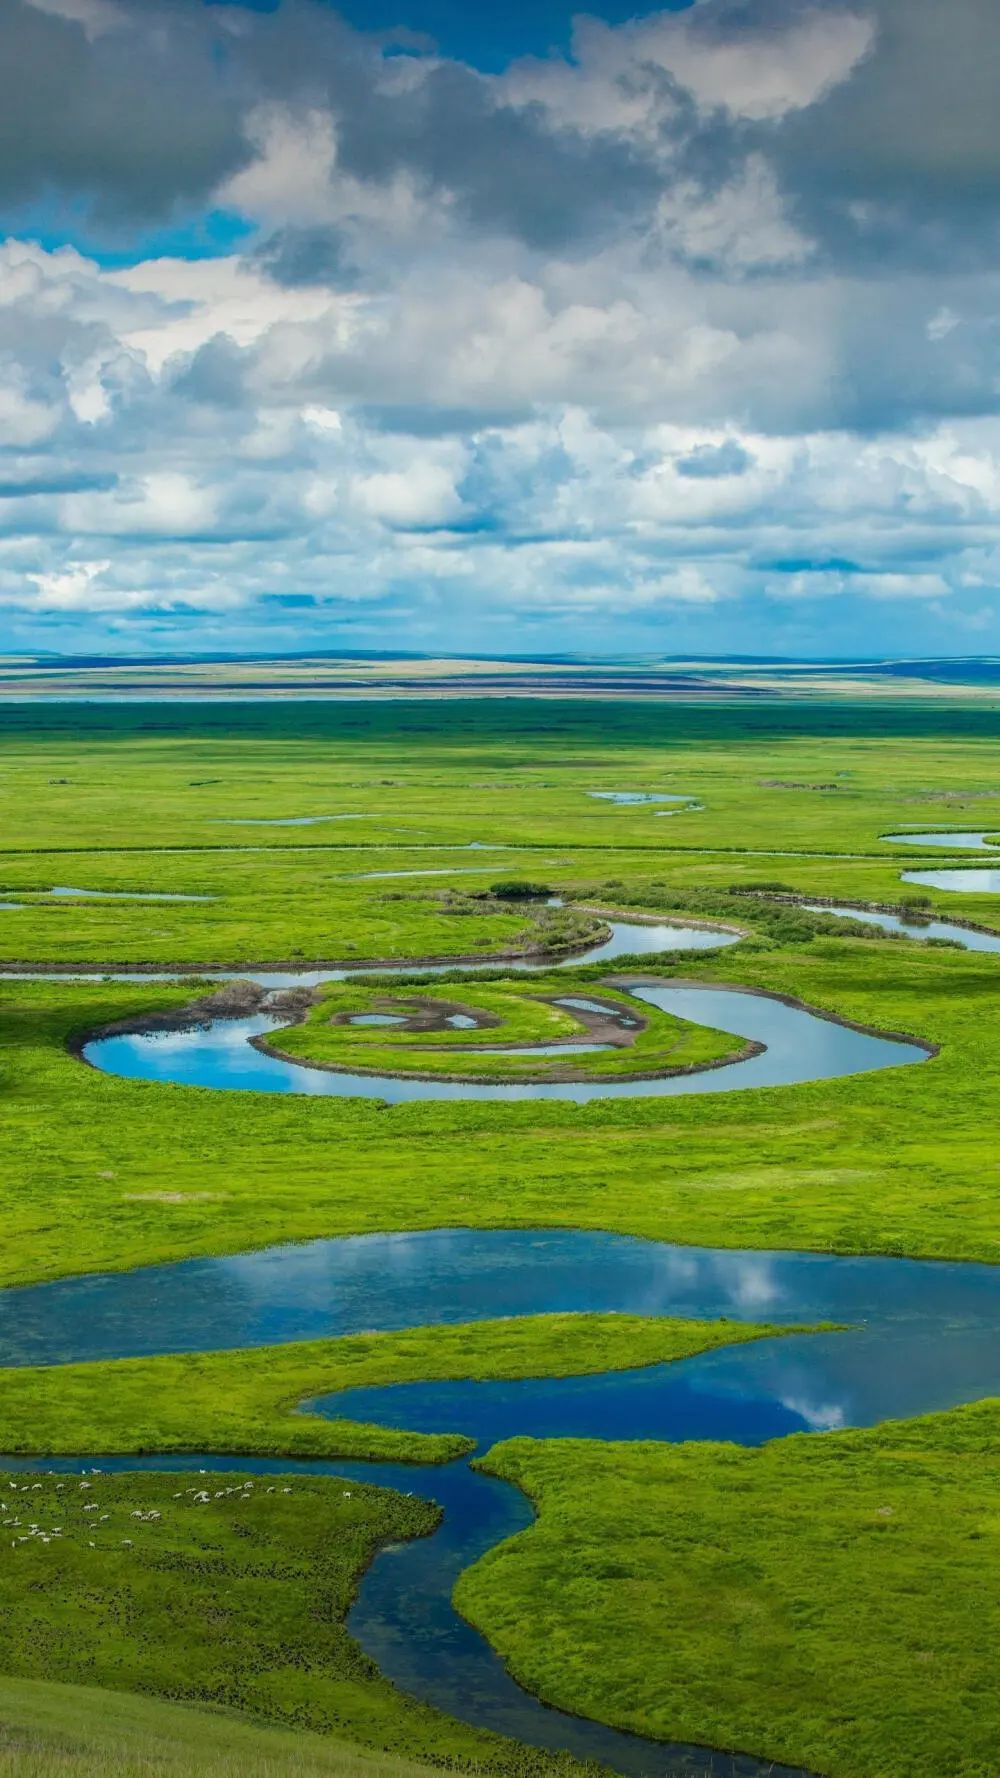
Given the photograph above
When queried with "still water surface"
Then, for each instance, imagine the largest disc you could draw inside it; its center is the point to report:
(963, 882)
(982, 840)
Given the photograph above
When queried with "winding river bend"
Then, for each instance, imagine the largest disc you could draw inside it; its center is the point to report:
(796, 1043)
(919, 1336)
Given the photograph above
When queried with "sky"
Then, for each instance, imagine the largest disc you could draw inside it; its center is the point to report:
(500, 329)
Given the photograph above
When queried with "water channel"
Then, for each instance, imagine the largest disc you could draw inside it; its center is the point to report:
(798, 1044)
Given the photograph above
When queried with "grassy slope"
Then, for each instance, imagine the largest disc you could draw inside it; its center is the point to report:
(246, 1401)
(826, 1601)
(73, 1731)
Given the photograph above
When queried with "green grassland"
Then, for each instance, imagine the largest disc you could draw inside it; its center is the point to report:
(759, 1598)
(237, 1600)
(102, 1173)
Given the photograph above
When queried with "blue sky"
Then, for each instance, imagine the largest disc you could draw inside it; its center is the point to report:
(419, 324)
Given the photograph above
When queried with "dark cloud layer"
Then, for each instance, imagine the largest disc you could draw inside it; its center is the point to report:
(148, 113)
(128, 123)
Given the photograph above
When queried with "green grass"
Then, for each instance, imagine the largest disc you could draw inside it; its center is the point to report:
(829, 1601)
(248, 1401)
(238, 1600)
(75, 1731)
(522, 1016)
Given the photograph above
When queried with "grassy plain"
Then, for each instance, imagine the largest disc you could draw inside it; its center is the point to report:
(747, 1607)
(103, 1173)
(237, 1599)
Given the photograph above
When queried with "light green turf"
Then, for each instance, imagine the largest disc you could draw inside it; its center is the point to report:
(75, 1731)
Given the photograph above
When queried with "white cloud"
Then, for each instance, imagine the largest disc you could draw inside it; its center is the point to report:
(614, 79)
(24, 420)
(164, 503)
(882, 586)
(742, 226)
(423, 494)
(646, 421)
(71, 589)
(96, 16)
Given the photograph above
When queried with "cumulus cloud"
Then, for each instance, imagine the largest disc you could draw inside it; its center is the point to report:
(691, 328)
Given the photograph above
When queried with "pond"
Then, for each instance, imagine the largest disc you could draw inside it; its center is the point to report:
(978, 841)
(638, 796)
(963, 882)
(62, 892)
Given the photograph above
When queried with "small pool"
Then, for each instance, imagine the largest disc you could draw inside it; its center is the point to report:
(981, 840)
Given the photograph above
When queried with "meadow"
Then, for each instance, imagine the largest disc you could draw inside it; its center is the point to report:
(754, 1599)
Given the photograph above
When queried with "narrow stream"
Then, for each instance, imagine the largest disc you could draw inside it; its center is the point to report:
(916, 926)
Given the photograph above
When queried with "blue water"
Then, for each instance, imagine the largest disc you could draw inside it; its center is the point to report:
(979, 841)
(627, 938)
(799, 1045)
(124, 894)
(914, 926)
(638, 796)
(327, 1288)
(963, 882)
(63, 892)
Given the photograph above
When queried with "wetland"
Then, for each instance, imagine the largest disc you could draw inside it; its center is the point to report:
(608, 1283)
